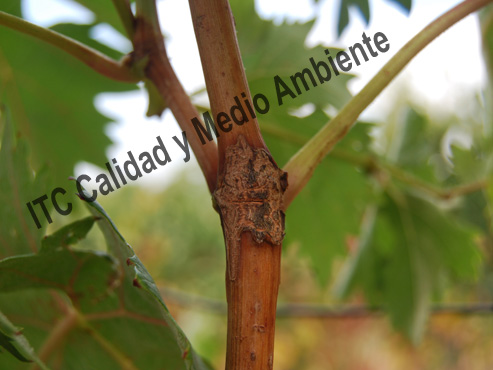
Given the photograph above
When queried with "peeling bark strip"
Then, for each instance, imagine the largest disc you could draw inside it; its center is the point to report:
(249, 198)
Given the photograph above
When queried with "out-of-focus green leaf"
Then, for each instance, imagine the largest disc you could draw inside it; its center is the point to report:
(329, 208)
(413, 143)
(411, 148)
(18, 232)
(361, 5)
(269, 51)
(364, 8)
(405, 4)
(13, 341)
(51, 95)
(146, 296)
(474, 208)
(116, 313)
(486, 19)
(78, 273)
(327, 213)
(104, 12)
(18, 185)
(67, 235)
(470, 164)
(413, 248)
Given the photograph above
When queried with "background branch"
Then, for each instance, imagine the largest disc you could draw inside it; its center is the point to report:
(149, 47)
(302, 310)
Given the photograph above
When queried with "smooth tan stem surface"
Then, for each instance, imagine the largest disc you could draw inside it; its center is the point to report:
(126, 16)
(251, 322)
(223, 68)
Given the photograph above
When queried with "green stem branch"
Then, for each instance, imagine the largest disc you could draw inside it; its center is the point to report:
(302, 165)
(368, 161)
(147, 10)
(92, 58)
(126, 16)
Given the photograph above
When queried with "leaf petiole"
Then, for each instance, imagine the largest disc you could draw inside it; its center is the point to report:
(97, 61)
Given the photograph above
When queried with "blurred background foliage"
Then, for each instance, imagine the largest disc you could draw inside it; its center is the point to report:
(398, 218)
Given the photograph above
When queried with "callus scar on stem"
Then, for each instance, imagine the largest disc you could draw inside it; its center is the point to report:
(249, 197)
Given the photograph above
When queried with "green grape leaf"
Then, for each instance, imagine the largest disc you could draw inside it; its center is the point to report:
(486, 19)
(18, 231)
(269, 51)
(362, 5)
(141, 279)
(50, 95)
(78, 273)
(405, 4)
(104, 12)
(364, 8)
(414, 144)
(406, 253)
(12, 340)
(328, 210)
(114, 310)
(67, 235)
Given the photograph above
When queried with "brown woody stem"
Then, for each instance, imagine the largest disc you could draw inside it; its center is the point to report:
(248, 196)
(223, 68)
(249, 201)
(252, 302)
(149, 45)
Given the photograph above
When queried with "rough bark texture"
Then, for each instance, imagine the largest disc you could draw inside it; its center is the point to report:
(249, 200)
